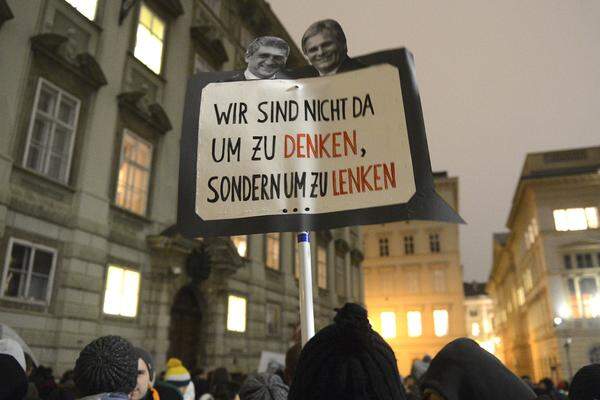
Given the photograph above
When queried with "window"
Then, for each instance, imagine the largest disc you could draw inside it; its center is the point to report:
(272, 256)
(51, 132)
(409, 244)
(487, 326)
(475, 329)
(584, 260)
(412, 281)
(384, 248)
(434, 242)
(440, 322)
(273, 319)
(576, 219)
(85, 7)
(28, 271)
(388, 324)
(322, 267)
(439, 280)
(122, 291)
(567, 261)
(584, 297)
(241, 244)
(340, 275)
(150, 39)
(134, 173)
(415, 329)
(236, 313)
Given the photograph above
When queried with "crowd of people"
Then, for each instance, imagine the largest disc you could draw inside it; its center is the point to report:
(346, 360)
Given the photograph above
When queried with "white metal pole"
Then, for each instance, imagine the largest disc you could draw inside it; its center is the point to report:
(307, 319)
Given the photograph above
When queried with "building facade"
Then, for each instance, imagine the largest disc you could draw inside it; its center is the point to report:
(479, 316)
(546, 269)
(91, 104)
(413, 282)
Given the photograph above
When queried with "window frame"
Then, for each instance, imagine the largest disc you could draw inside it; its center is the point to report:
(124, 132)
(435, 245)
(435, 325)
(124, 267)
(166, 22)
(34, 110)
(33, 247)
(242, 296)
(578, 295)
(409, 244)
(245, 255)
(268, 237)
(384, 247)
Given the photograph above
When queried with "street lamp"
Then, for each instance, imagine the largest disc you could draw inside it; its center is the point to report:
(567, 346)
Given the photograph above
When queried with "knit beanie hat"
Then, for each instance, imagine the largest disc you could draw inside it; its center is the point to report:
(106, 365)
(138, 352)
(347, 360)
(586, 383)
(176, 373)
(12, 374)
(463, 370)
(263, 387)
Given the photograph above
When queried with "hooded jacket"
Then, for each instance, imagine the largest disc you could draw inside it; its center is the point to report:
(464, 371)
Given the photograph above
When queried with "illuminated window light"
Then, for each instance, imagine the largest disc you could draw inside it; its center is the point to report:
(576, 219)
(564, 311)
(241, 244)
(475, 329)
(440, 322)
(487, 326)
(149, 39)
(388, 324)
(488, 345)
(415, 328)
(122, 292)
(85, 7)
(236, 314)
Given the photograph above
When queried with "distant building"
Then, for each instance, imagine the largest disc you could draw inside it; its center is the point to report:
(546, 269)
(413, 282)
(91, 109)
(479, 314)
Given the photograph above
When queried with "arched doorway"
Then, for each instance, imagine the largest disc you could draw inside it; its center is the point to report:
(184, 331)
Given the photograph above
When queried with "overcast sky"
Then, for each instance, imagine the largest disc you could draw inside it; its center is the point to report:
(498, 79)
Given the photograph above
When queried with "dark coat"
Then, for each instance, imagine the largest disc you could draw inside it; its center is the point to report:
(464, 371)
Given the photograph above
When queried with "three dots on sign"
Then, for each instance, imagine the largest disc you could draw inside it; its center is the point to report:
(285, 210)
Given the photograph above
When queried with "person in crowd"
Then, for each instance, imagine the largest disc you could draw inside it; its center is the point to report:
(324, 44)
(66, 387)
(43, 377)
(221, 386)
(586, 383)
(145, 376)
(200, 380)
(264, 386)
(106, 369)
(12, 371)
(347, 360)
(291, 361)
(547, 388)
(462, 370)
(563, 387)
(411, 386)
(419, 367)
(265, 57)
(178, 375)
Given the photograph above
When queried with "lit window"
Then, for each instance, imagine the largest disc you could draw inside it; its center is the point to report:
(585, 299)
(475, 329)
(134, 173)
(52, 132)
(520, 296)
(272, 256)
(409, 244)
(340, 275)
(440, 322)
(576, 219)
(439, 280)
(122, 291)
(487, 326)
(415, 328)
(273, 319)
(434, 242)
(28, 271)
(241, 244)
(149, 39)
(322, 267)
(85, 7)
(388, 324)
(236, 314)
(384, 247)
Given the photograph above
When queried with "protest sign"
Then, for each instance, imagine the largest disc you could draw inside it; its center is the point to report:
(306, 153)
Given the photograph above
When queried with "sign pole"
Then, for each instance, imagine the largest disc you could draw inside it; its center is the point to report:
(307, 319)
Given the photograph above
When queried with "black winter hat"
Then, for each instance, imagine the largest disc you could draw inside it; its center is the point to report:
(13, 379)
(586, 383)
(108, 364)
(347, 360)
(263, 387)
